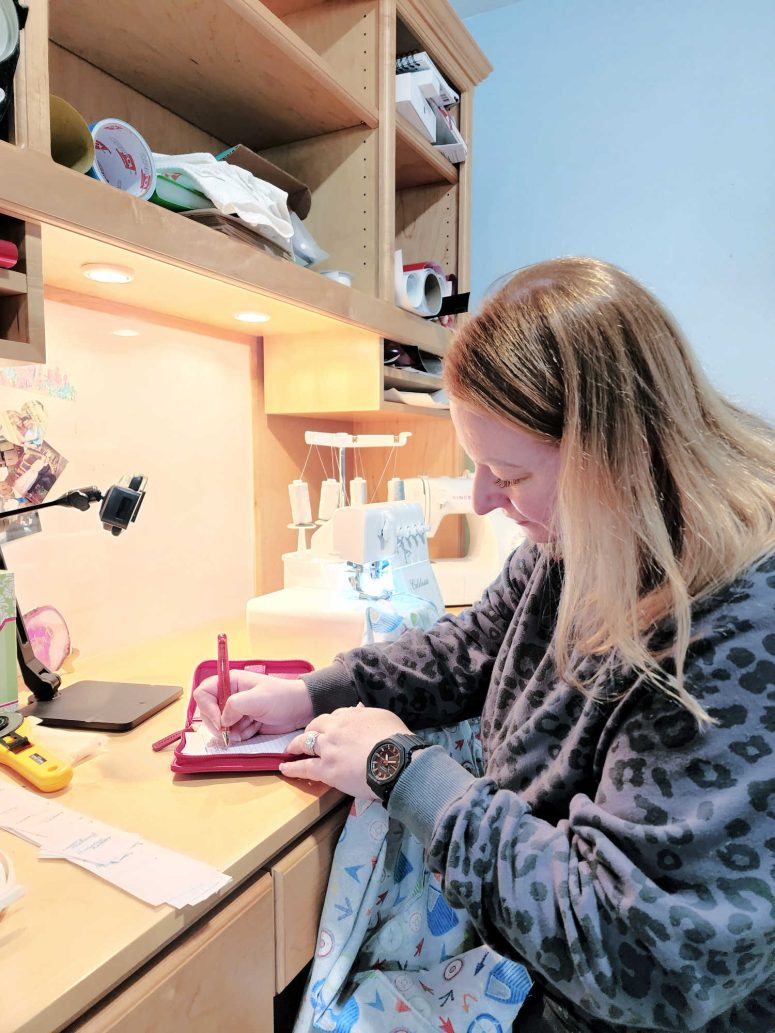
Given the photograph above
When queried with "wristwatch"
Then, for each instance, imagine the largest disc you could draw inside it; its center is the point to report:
(388, 760)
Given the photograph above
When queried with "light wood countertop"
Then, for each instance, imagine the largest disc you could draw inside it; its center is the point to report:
(74, 936)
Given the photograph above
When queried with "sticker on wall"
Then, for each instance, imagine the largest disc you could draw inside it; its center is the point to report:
(45, 380)
(29, 467)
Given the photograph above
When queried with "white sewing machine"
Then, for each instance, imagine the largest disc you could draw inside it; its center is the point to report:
(366, 568)
(491, 538)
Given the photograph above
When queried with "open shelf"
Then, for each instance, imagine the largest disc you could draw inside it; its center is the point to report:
(184, 269)
(22, 336)
(233, 68)
(12, 282)
(417, 161)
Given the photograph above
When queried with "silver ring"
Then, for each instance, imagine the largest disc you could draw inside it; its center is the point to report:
(310, 742)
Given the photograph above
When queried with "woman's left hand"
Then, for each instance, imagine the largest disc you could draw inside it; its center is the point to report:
(343, 743)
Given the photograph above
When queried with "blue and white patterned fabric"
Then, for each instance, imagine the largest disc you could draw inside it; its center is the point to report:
(392, 955)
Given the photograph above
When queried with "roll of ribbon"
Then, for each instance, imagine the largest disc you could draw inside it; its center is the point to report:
(358, 492)
(329, 498)
(301, 510)
(395, 490)
(122, 158)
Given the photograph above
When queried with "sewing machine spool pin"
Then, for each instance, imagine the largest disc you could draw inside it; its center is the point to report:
(301, 537)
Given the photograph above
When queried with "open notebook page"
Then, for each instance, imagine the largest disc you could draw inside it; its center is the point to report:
(201, 743)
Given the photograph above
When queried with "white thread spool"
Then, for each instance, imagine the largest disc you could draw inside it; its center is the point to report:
(329, 498)
(358, 492)
(301, 509)
(395, 490)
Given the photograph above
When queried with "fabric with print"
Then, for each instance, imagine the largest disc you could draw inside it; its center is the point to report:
(392, 955)
(622, 853)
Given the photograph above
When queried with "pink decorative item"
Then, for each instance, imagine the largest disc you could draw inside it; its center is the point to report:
(48, 635)
(9, 254)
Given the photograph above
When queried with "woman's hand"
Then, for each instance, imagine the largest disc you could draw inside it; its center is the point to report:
(259, 703)
(344, 741)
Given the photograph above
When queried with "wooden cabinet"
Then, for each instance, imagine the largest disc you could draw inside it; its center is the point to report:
(224, 973)
(21, 295)
(218, 976)
(309, 84)
(300, 879)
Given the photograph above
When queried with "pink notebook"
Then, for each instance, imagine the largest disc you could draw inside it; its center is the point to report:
(197, 751)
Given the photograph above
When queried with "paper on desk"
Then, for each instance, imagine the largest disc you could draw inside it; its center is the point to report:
(69, 745)
(201, 743)
(146, 870)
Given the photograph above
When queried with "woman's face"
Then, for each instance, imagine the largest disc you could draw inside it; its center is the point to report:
(514, 470)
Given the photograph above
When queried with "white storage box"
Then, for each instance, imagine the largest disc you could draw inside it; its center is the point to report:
(411, 104)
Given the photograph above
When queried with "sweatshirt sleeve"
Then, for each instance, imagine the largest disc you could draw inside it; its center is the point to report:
(431, 677)
(652, 904)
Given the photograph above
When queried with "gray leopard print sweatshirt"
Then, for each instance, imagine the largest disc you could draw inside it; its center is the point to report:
(623, 855)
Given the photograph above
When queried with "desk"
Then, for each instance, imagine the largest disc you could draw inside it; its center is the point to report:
(74, 938)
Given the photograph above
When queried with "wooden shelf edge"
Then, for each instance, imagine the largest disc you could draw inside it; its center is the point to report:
(404, 378)
(12, 282)
(424, 164)
(34, 188)
(387, 410)
(414, 410)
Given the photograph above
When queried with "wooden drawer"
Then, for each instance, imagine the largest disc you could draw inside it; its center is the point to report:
(219, 977)
(300, 878)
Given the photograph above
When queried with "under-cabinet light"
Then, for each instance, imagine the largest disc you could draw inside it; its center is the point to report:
(252, 317)
(103, 273)
(125, 333)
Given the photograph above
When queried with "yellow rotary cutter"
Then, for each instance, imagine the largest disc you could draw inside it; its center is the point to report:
(37, 766)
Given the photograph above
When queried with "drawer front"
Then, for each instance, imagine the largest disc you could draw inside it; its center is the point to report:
(300, 878)
(219, 977)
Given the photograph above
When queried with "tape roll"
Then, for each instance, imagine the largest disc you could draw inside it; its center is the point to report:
(301, 509)
(122, 158)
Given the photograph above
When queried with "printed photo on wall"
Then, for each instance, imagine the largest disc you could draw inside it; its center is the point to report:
(29, 467)
(36, 473)
(20, 526)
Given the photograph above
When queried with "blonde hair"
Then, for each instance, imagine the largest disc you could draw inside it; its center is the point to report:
(666, 490)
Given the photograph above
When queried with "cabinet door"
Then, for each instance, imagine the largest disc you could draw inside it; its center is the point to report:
(300, 881)
(220, 976)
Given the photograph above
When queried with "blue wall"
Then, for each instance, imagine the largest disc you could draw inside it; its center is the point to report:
(641, 132)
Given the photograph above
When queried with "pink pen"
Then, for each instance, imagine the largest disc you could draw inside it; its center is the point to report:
(224, 687)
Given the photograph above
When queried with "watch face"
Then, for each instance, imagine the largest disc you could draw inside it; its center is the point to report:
(385, 762)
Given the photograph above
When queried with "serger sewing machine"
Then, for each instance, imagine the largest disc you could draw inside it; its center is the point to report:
(491, 538)
(365, 576)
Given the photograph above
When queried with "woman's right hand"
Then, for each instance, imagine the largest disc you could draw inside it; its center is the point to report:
(259, 704)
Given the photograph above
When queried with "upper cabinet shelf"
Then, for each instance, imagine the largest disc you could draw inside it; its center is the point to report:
(417, 161)
(230, 67)
(183, 269)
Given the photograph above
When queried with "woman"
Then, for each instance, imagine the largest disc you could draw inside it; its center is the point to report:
(621, 843)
